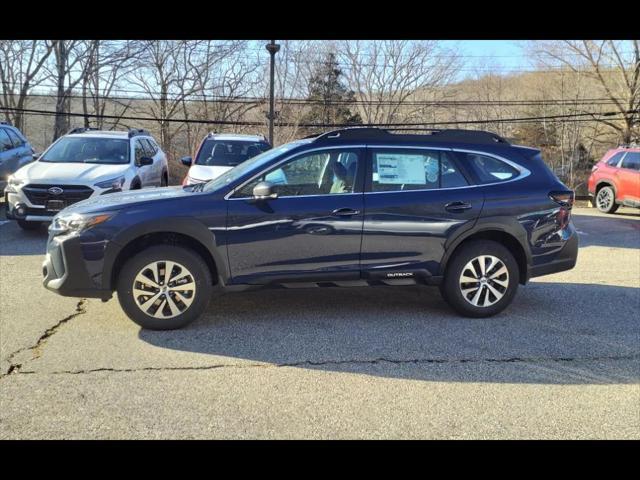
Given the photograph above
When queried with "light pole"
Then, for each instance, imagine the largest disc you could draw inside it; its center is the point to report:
(272, 48)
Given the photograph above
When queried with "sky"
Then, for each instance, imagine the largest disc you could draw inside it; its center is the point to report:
(485, 55)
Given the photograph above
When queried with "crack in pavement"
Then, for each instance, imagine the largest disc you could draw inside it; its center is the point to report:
(343, 362)
(36, 348)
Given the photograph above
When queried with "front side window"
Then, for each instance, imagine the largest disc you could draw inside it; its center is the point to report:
(613, 161)
(5, 141)
(631, 160)
(139, 151)
(330, 172)
(17, 141)
(489, 169)
(88, 150)
(395, 170)
(228, 153)
(149, 148)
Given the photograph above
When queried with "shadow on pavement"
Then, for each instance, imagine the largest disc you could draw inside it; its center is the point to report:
(555, 333)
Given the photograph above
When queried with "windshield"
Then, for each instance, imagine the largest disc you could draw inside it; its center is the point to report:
(88, 150)
(252, 164)
(228, 153)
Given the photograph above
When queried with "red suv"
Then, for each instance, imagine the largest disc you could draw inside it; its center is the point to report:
(615, 180)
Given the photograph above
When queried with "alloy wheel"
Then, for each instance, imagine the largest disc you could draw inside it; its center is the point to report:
(164, 289)
(484, 280)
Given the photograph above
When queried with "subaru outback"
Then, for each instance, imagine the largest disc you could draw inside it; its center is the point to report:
(464, 210)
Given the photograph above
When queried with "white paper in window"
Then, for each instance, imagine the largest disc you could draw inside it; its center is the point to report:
(396, 168)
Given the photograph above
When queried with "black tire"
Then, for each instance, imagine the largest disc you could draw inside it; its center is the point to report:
(23, 224)
(196, 267)
(451, 288)
(605, 200)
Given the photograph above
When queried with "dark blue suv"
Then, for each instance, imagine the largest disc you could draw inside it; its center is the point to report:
(464, 210)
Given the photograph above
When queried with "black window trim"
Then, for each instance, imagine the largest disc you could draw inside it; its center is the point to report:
(523, 172)
(358, 190)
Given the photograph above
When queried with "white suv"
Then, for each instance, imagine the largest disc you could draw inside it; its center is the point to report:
(82, 164)
(219, 153)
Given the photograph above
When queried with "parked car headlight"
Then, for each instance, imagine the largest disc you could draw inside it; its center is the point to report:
(76, 222)
(12, 184)
(114, 183)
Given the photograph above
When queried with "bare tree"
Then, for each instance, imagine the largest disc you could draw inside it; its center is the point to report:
(385, 74)
(171, 71)
(613, 65)
(21, 69)
(107, 63)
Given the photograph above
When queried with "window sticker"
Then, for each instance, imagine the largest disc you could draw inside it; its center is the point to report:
(406, 169)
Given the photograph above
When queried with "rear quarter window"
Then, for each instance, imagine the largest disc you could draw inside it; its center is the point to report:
(489, 169)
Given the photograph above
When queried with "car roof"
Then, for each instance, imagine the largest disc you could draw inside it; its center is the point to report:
(103, 134)
(237, 136)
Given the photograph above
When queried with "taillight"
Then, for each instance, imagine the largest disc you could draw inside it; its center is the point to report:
(565, 200)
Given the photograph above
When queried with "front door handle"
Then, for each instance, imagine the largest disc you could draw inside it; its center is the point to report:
(457, 206)
(344, 212)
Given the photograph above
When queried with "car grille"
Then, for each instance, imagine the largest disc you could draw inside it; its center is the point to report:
(40, 195)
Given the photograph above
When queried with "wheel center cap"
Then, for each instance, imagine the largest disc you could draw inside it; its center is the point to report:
(483, 280)
(164, 289)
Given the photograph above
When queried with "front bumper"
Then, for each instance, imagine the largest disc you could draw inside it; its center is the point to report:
(65, 272)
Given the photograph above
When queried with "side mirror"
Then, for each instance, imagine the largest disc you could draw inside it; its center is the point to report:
(264, 191)
(144, 161)
(35, 156)
(186, 161)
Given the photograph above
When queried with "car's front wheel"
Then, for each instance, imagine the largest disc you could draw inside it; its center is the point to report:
(481, 279)
(164, 287)
(606, 200)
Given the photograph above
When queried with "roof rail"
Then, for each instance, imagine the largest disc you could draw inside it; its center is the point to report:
(434, 135)
(137, 131)
(80, 130)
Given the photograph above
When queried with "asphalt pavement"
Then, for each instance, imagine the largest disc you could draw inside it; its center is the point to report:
(563, 361)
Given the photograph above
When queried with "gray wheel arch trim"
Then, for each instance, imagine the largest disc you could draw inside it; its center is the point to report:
(509, 226)
(179, 225)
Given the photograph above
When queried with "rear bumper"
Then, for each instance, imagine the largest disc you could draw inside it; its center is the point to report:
(565, 259)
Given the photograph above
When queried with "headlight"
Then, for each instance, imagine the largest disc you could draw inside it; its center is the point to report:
(76, 222)
(12, 184)
(114, 183)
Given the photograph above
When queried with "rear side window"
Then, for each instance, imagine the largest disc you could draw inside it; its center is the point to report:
(148, 147)
(396, 169)
(17, 141)
(489, 169)
(632, 161)
(5, 141)
(613, 161)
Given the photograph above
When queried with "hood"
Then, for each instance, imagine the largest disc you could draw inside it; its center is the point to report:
(69, 173)
(120, 200)
(206, 173)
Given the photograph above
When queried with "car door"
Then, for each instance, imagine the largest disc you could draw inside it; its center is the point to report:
(144, 172)
(628, 177)
(152, 152)
(415, 199)
(23, 154)
(7, 155)
(310, 232)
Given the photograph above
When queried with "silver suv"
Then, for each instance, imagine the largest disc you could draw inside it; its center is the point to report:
(84, 163)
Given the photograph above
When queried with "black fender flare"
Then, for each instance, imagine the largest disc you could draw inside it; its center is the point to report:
(186, 226)
(508, 225)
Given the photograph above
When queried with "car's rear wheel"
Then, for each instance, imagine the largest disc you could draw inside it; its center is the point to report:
(164, 287)
(481, 279)
(23, 224)
(606, 200)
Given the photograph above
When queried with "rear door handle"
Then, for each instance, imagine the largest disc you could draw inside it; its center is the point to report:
(457, 206)
(344, 212)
